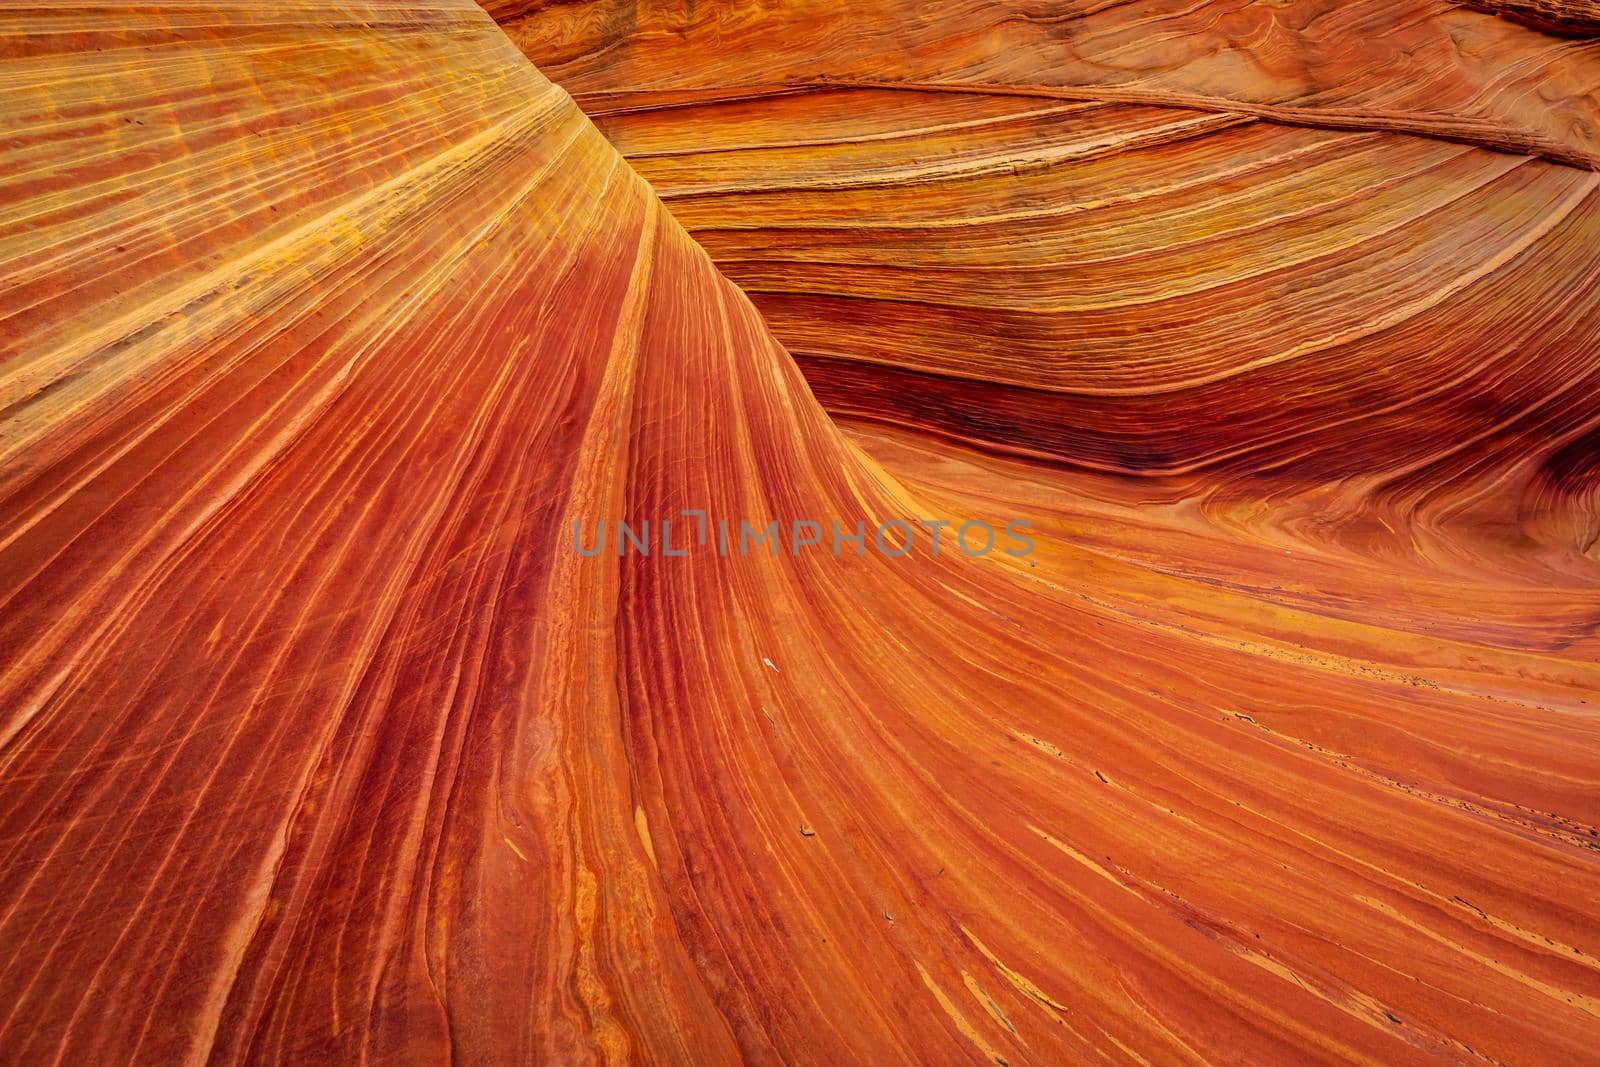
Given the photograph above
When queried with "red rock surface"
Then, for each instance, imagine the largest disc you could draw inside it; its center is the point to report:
(1149, 238)
(321, 325)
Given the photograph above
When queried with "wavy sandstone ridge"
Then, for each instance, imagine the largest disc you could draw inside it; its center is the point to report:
(322, 325)
(1276, 246)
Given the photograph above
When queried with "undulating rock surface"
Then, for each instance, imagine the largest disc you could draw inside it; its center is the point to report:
(322, 324)
(1151, 238)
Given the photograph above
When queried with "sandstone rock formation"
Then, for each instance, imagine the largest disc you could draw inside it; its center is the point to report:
(322, 324)
(1149, 238)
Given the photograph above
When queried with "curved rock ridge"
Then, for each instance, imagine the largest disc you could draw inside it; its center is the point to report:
(323, 324)
(1155, 291)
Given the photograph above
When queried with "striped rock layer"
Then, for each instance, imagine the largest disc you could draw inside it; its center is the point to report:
(322, 324)
(1274, 245)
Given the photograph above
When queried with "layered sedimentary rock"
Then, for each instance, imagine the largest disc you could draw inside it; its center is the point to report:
(1424, 66)
(1580, 18)
(323, 325)
(1281, 245)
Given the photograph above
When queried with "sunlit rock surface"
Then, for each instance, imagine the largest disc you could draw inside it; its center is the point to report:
(322, 324)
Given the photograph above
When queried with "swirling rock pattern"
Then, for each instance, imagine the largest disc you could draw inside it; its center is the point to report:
(1283, 245)
(323, 323)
